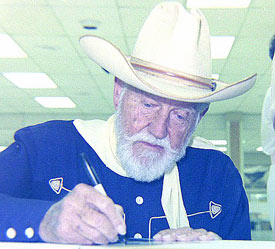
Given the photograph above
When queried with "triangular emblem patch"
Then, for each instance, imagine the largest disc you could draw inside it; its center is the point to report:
(56, 184)
(214, 209)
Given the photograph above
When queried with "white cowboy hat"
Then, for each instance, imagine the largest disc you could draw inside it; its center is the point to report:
(171, 57)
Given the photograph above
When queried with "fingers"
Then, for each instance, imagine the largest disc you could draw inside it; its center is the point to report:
(185, 234)
(120, 210)
(77, 232)
(210, 236)
(191, 235)
(57, 226)
(97, 220)
(103, 204)
(91, 234)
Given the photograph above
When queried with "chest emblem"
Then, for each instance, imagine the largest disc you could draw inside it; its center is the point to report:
(57, 185)
(214, 210)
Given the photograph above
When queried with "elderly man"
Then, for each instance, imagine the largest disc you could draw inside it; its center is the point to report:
(158, 187)
(268, 135)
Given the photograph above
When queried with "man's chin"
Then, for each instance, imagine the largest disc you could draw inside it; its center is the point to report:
(145, 178)
(146, 171)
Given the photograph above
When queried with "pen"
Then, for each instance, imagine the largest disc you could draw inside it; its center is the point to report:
(90, 171)
(95, 182)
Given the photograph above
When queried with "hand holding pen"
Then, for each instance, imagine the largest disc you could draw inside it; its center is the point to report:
(84, 216)
(96, 183)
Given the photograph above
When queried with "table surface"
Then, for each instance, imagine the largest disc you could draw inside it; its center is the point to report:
(222, 244)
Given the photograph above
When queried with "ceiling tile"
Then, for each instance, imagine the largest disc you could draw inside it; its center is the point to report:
(14, 93)
(217, 65)
(267, 4)
(148, 4)
(259, 23)
(60, 64)
(18, 65)
(95, 103)
(41, 46)
(57, 92)
(104, 81)
(236, 69)
(225, 21)
(76, 83)
(71, 18)
(83, 3)
(23, 2)
(251, 48)
(35, 20)
(133, 19)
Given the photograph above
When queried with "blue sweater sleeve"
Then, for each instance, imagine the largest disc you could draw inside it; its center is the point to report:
(238, 220)
(240, 229)
(210, 176)
(18, 212)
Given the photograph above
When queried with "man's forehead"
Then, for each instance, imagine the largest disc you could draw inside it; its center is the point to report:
(143, 94)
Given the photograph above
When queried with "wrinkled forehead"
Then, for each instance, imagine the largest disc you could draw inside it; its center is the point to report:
(145, 95)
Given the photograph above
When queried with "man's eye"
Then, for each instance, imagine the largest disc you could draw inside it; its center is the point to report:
(180, 117)
(147, 105)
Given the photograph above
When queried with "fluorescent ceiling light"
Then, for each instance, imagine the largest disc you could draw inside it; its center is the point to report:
(9, 48)
(218, 3)
(30, 80)
(55, 102)
(223, 149)
(2, 148)
(221, 46)
(215, 76)
(219, 142)
(260, 148)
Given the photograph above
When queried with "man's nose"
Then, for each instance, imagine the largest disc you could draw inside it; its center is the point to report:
(159, 125)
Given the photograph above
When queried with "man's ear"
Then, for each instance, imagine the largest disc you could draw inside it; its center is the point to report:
(118, 85)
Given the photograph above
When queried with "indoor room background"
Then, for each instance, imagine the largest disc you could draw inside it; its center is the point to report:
(45, 75)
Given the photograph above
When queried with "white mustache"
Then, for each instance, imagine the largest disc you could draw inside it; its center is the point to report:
(145, 136)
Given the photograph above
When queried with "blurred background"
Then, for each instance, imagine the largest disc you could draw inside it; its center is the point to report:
(44, 75)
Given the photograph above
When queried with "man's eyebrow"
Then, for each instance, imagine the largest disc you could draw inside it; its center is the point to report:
(189, 108)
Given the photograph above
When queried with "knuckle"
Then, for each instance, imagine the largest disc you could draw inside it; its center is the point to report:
(119, 208)
(212, 234)
(66, 202)
(79, 188)
(107, 204)
(98, 219)
(67, 207)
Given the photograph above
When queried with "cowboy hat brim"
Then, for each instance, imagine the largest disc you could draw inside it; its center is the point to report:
(109, 57)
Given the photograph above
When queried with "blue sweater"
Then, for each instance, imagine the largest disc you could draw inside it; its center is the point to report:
(45, 156)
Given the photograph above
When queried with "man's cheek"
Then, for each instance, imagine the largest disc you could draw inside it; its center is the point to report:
(132, 124)
(137, 122)
(176, 140)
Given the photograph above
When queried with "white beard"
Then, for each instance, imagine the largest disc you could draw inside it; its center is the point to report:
(146, 164)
